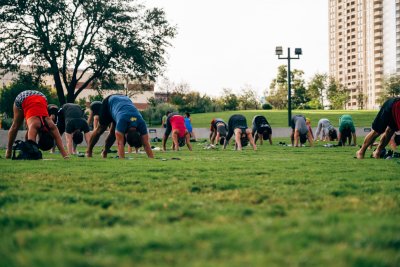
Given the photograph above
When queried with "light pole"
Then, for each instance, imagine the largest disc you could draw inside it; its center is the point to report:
(279, 53)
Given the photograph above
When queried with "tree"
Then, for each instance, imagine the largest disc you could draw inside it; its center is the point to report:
(391, 87)
(23, 82)
(79, 42)
(248, 98)
(317, 90)
(337, 94)
(299, 97)
(278, 96)
(229, 99)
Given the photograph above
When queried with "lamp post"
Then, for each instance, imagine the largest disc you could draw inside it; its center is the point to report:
(279, 53)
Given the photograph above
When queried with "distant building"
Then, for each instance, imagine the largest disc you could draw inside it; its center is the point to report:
(139, 92)
(364, 46)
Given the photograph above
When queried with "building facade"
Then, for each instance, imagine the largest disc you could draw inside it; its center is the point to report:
(138, 92)
(364, 46)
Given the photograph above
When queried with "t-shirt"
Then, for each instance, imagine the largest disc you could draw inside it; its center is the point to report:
(125, 114)
(260, 123)
(70, 118)
(299, 123)
(346, 122)
(188, 125)
(396, 114)
(178, 123)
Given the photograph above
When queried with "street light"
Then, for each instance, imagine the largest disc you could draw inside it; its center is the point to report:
(279, 53)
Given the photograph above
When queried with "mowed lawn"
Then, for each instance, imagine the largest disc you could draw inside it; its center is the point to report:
(278, 206)
(279, 118)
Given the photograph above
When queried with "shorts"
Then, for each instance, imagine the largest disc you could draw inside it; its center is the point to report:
(23, 95)
(384, 118)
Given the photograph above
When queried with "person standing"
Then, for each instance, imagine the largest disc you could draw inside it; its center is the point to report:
(188, 124)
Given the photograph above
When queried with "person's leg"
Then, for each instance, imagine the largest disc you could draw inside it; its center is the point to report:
(189, 145)
(369, 139)
(95, 138)
(238, 134)
(385, 138)
(110, 139)
(175, 143)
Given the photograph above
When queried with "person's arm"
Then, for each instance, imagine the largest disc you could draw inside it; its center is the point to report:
(94, 138)
(296, 137)
(251, 139)
(57, 137)
(310, 138)
(90, 117)
(120, 144)
(270, 139)
(18, 119)
(318, 131)
(87, 137)
(292, 137)
(354, 138)
(68, 138)
(146, 146)
(110, 139)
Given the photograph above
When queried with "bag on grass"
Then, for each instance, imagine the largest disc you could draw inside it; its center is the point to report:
(27, 150)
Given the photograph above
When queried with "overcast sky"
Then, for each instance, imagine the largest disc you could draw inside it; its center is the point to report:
(231, 43)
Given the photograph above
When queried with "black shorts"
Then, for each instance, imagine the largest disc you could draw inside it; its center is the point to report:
(77, 124)
(105, 117)
(385, 117)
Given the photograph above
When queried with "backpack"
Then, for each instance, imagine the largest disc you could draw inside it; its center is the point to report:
(28, 150)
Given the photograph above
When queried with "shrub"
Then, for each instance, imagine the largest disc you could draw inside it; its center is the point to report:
(266, 106)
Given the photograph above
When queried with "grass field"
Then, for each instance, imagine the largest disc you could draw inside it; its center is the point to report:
(279, 118)
(278, 206)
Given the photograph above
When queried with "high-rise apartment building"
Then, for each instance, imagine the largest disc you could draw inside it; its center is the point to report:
(364, 40)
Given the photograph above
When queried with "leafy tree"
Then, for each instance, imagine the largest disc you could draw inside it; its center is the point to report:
(278, 96)
(391, 87)
(79, 42)
(317, 90)
(300, 96)
(229, 99)
(178, 94)
(337, 94)
(248, 98)
(23, 82)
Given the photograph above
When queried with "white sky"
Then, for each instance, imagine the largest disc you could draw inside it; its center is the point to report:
(231, 43)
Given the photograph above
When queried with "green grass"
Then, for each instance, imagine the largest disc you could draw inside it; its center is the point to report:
(279, 118)
(278, 206)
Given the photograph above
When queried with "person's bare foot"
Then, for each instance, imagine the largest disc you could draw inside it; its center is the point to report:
(376, 154)
(359, 154)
